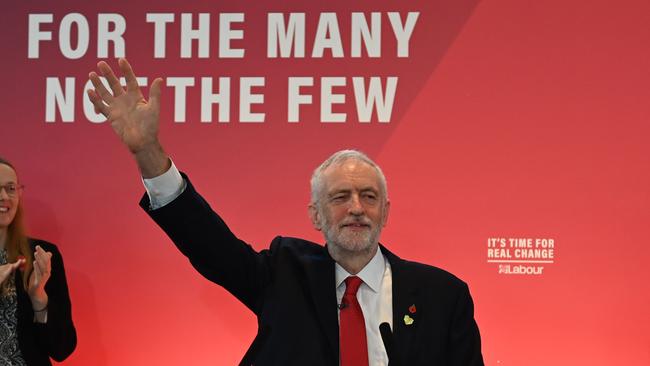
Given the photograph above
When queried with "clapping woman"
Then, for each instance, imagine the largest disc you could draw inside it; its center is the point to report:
(35, 318)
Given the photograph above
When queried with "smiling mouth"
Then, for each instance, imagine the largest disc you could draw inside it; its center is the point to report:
(4, 209)
(356, 225)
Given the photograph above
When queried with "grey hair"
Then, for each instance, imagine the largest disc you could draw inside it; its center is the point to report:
(340, 157)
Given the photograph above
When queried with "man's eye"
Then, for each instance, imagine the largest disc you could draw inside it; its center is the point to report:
(11, 188)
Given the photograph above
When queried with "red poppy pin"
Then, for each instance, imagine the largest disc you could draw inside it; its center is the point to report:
(412, 309)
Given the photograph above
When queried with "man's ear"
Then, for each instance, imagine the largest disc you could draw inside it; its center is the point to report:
(314, 215)
(386, 211)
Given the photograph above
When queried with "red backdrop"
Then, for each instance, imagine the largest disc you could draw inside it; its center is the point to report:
(511, 120)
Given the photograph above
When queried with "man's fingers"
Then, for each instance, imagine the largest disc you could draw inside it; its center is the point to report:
(154, 93)
(113, 81)
(129, 75)
(98, 103)
(100, 89)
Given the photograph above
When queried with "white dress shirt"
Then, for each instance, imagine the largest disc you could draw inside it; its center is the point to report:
(165, 187)
(375, 295)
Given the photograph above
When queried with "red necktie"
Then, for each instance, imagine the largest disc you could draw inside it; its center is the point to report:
(354, 347)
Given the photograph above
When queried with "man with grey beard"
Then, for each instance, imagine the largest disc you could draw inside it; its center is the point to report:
(350, 303)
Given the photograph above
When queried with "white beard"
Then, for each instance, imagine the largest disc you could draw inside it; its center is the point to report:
(349, 240)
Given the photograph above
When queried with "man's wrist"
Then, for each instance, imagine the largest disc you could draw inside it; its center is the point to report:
(152, 161)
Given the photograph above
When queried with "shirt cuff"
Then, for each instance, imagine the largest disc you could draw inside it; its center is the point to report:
(164, 188)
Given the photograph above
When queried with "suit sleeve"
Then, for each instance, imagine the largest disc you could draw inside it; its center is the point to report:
(58, 336)
(212, 249)
(465, 340)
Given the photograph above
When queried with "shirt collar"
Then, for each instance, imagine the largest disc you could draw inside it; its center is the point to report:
(371, 274)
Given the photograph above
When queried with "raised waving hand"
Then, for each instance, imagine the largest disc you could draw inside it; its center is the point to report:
(134, 119)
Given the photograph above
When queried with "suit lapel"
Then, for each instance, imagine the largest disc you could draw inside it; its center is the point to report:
(321, 285)
(405, 308)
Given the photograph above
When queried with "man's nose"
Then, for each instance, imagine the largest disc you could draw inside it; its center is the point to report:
(3, 193)
(356, 208)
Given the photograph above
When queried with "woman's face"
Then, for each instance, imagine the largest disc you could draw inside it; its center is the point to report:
(8, 199)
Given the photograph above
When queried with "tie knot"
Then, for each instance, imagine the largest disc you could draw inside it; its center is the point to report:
(352, 284)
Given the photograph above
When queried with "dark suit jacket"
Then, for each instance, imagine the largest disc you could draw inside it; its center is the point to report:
(290, 287)
(57, 338)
